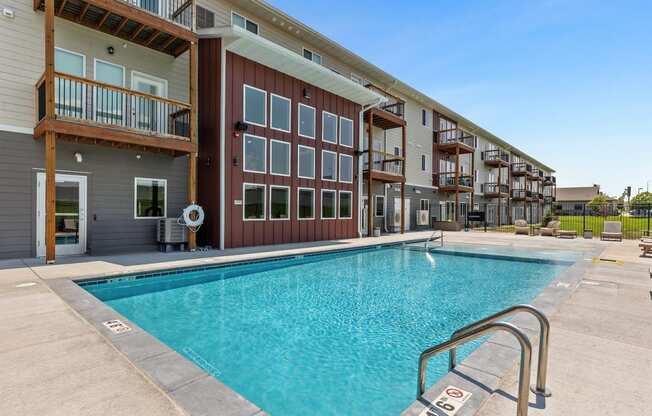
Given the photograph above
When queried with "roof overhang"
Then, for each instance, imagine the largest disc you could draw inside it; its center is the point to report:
(265, 52)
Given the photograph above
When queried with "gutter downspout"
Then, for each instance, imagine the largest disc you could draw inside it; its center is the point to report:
(360, 167)
(222, 141)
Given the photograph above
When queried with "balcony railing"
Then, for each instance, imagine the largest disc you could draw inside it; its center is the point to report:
(454, 136)
(393, 105)
(82, 100)
(495, 188)
(450, 179)
(177, 11)
(384, 162)
(521, 167)
(496, 155)
(521, 194)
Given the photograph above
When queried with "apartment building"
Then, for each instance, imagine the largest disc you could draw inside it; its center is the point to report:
(116, 114)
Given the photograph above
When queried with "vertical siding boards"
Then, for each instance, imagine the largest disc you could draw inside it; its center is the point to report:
(208, 180)
(239, 233)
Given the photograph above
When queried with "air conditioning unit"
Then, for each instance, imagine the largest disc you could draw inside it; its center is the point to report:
(169, 231)
(397, 219)
(423, 217)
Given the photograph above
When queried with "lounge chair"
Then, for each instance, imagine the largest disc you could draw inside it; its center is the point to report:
(566, 233)
(613, 230)
(551, 229)
(521, 227)
(646, 246)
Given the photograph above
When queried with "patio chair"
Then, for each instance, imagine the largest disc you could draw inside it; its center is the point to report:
(613, 230)
(521, 227)
(646, 247)
(551, 229)
(566, 233)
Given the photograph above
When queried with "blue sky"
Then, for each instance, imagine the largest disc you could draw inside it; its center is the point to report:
(568, 82)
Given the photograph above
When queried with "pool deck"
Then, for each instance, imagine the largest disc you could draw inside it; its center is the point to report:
(56, 362)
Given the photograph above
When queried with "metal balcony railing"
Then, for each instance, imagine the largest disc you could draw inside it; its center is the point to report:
(494, 188)
(450, 179)
(384, 162)
(453, 136)
(496, 155)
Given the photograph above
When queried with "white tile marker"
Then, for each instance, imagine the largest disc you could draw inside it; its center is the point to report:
(448, 403)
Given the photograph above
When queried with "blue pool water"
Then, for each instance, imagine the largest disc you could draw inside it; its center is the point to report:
(335, 334)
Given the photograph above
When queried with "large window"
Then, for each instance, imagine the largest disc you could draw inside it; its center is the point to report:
(255, 106)
(328, 165)
(279, 158)
(306, 162)
(306, 121)
(150, 198)
(253, 150)
(346, 168)
(281, 113)
(205, 18)
(346, 132)
(329, 127)
(253, 204)
(279, 202)
(243, 22)
(424, 205)
(69, 95)
(306, 204)
(379, 208)
(312, 56)
(328, 204)
(346, 204)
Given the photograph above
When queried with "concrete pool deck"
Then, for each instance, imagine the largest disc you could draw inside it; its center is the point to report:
(55, 362)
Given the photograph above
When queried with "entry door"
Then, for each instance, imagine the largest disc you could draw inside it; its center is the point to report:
(397, 210)
(491, 214)
(364, 215)
(70, 214)
(149, 114)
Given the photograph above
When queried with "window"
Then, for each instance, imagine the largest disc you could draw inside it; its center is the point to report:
(255, 106)
(279, 202)
(328, 208)
(424, 117)
(306, 162)
(279, 155)
(424, 205)
(424, 163)
(328, 127)
(379, 208)
(253, 151)
(346, 168)
(346, 132)
(71, 103)
(346, 204)
(205, 18)
(109, 104)
(150, 198)
(253, 204)
(281, 113)
(306, 204)
(312, 56)
(328, 165)
(244, 23)
(306, 121)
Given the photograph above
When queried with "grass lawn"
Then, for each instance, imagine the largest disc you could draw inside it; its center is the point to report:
(633, 227)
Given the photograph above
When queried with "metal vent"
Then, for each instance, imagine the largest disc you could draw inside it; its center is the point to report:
(117, 326)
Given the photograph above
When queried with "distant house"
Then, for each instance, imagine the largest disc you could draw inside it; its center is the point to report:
(572, 201)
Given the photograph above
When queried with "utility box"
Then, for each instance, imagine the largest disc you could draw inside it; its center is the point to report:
(170, 233)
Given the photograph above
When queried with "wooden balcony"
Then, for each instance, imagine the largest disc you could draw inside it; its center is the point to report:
(454, 141)
(451, 182)
(162, 25)
(496, 158)
(385, 118)
(521, 195)
(495, 190)
(386, 167)
(89, 111)
(549, 181)
(537, 175)
(521, 169)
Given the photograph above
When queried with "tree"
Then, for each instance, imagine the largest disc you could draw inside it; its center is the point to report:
(643, 198)
(598, 203)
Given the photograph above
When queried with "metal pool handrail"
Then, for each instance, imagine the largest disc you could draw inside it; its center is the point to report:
(544, 336)
(434, 237)
(526, 358)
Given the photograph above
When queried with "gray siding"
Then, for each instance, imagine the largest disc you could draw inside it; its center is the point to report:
(111, 172)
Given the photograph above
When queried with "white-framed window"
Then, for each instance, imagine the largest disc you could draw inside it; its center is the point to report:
(253, 202)
(328, 204)
(244, 22)
(279, 203)
(328, 165)
(254, 150)
(312, 56)
(205, 17)
(346, 132)
(306, 162)
(379, 206)
(345, 205)
(281, 113)
(109, 105)
(279, 157)
(305, 203)
(424, 205)
(72, 103)
(306, 121)
(328, 127)
(150, 198)
(254, 103)
(346, 168)
(397, 151)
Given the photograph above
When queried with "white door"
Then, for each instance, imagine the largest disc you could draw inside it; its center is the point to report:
(398, 213)
(364, 215)
(149, 114)
(70, 214)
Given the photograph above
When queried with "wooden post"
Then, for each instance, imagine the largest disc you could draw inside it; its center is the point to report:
(403, 153)
(370, 164)
(472, 181)
(50, 138)
(192, 157)
(457, 182)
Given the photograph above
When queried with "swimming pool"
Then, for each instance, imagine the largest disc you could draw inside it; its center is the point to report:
(331, 334)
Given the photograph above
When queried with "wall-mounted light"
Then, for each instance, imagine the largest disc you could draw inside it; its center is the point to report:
(138, 157)
(78, 157)
(235, 161)
(241, 126)
(110, 50)
(306, 93)
(8, 13)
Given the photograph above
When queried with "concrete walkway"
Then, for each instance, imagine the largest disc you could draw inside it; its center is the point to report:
(55, 363)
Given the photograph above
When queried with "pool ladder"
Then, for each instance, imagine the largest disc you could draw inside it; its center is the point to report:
(435, 237)
(486, 326)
